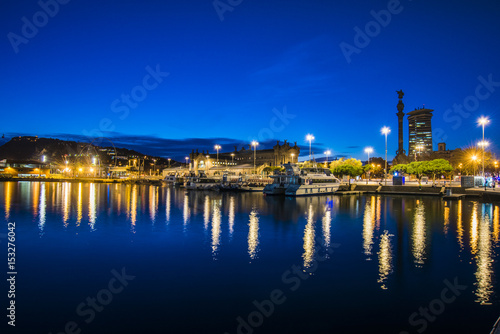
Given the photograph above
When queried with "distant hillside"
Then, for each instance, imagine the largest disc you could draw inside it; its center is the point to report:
(33, 148)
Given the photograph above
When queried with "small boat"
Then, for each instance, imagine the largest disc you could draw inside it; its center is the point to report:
(200, 182)
(306, 182)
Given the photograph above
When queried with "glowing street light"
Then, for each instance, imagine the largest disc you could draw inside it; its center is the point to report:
(217, 147)
(232, 158)
(254, 144)
(483, 121)
(385, 130)
(169, 162)
(187, 159)
(474, 158)
(327, 153)
(310, 138)
(292, 155)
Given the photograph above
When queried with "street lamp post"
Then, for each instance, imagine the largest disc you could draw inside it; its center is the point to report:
(232, 158)
(169, 162)
(385, 130)
(217, 147)
(292, 155)
(254, 144)
(483, 121)
(368, 150)
(327, 153)
(187, 159)
(310, 138)
(474, 158)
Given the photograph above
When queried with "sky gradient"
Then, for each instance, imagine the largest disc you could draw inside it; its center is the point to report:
(183, 74)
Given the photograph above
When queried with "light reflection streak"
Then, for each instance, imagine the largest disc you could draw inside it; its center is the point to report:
(484, 261)
(496, 223)
(327, 223)
(153, 203)
(216, 230)
(133, 208)
(446, 219)
(41, 210)
(8, 199)
(79, 214)
(92, 206)
(66, 202)
(186, 211)
(253, 234)
(474, 230)
(460, 229)
(384, 259)
(369, 226)
(167, 205)
(419, 235)
(309, 235)
(206, 212)
(231, 216)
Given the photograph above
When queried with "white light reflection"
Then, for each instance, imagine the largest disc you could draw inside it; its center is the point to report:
(419, 235)
(231, 216)
(309, 235)
(92, 206)
(167, 205)
(216, 222)
(253, 235)
(41, 210)
(484, 260)
(384, 259)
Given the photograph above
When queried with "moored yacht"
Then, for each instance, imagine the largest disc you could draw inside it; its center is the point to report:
(305, 182)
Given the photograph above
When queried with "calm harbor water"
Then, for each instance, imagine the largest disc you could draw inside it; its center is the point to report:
(100, 258)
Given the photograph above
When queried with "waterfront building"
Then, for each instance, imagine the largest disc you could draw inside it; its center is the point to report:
(23, 168)
(420, 131)
(243, 159)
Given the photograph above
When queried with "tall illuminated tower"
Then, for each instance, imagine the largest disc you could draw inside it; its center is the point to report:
(401, 115)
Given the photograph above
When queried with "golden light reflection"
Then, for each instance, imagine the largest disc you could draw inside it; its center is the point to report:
(369, 226)
(384, 259)
(309, 235)
(446, 219)
(496, 223)
(460, 229)
(92, 206)
(153, 203)
(8, 199)
(231, 216)
(36, 197)
(79, 213)
(167, 205)
(133, 208)
(206, 212)
(66, 202)
(42, 208)
(474, 230)
(418, 237)
(216, 222)
(253, 234)
(484, 261)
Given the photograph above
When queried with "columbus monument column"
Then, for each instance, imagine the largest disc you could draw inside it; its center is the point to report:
(400, 115)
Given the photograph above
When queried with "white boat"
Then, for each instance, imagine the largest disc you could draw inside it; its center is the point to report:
(200, 182)
(305, 182)
(174, 180)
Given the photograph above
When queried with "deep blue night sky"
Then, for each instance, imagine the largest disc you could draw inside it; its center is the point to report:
(230, 80)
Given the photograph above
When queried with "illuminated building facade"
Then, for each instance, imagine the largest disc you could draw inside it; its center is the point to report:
(420, 131)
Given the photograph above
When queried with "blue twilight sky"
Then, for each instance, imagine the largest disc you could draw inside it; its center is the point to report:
(171, 76)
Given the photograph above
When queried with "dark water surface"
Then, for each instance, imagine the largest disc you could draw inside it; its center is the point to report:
(96, 258)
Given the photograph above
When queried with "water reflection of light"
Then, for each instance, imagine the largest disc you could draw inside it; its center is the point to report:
(186, 211)
(231, 216)
(384, 259)
(153, 203)
(496, 223)
(66, 202)
(309, 235)
(253, 234)
(484, 261)
(8, 199)
(36, 197)
(446, 218)
(167, 205)
(42, 208)
(79, 213)
(460, 229)
(368, 226)
(216, 221)
(418, 237)
(327, 223)
(474, 229)
(133, 208)
(206, 212)
(92, 206)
